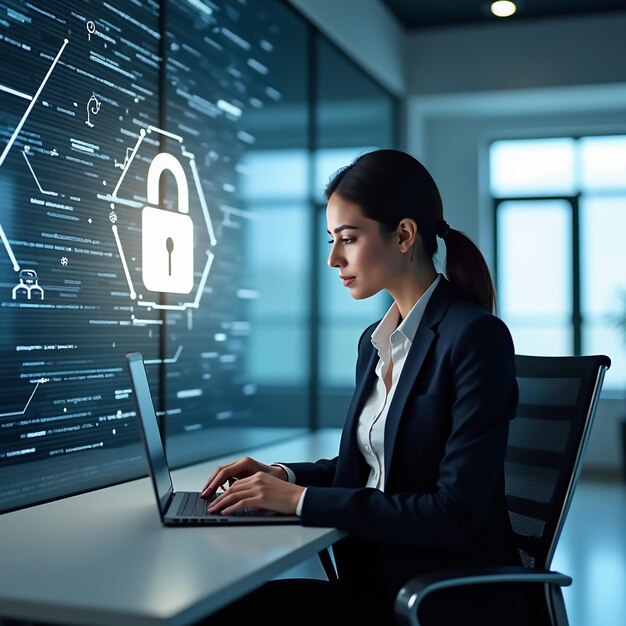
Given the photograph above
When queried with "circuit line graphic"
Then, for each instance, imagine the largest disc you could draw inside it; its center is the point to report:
(205, 209)
(30, 167)
(33, 100)
(133, 294)
(16, 132)
(5, 241)
(172, 359)
(40, 381)
(15, 92)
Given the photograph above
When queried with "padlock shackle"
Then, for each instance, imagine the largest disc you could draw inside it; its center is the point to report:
(161, 162)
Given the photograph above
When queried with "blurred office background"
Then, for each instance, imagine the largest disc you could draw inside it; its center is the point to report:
(522, 123)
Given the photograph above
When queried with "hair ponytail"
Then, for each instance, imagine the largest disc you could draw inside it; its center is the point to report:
(467, 270)
(389, 185)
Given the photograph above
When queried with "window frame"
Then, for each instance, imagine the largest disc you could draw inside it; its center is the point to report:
(573, 202)
(577, 327)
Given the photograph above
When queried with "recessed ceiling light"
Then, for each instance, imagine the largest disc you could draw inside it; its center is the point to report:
(503, 8)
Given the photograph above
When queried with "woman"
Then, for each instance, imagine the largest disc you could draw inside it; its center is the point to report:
(418, 483)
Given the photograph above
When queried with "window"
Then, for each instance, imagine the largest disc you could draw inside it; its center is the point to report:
(353, 115)
(560, 207)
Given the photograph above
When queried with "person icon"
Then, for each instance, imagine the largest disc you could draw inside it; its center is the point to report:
(28, 283)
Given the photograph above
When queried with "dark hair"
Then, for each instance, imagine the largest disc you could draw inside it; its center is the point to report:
(390, 185)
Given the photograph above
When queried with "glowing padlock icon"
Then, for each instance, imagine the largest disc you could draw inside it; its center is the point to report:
(167, 237)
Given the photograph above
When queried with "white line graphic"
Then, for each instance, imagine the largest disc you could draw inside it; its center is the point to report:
(165, 132)
(30, 167)
(41, 381)
(126, 159)
(5, 241)
(140, 322)
(16, 132)
(205, 276)
(15, 92)
(133, 295)
(142, 133)
(170, 360)
(205, 209)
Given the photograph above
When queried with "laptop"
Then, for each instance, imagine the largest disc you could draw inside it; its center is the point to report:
(180, 507)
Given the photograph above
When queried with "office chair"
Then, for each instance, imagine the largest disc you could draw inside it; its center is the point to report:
(547, 440)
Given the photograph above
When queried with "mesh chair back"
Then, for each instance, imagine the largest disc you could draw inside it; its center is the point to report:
(558, 398)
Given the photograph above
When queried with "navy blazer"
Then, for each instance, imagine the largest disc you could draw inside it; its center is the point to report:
(443, 502)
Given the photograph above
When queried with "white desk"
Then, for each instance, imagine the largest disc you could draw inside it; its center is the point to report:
(104, 558)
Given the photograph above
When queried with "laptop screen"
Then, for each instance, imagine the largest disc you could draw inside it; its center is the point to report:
(161, 478)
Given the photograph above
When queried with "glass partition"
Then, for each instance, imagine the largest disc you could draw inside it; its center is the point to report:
(353, 115)
(242, 378)
(160, 175)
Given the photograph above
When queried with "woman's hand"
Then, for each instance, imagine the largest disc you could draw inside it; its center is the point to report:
(239, 469)
(261, 490)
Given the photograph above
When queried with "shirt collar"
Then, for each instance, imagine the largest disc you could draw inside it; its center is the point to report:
(408, 327)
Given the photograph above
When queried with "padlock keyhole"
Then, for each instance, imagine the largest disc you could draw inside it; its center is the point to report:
(169, 244)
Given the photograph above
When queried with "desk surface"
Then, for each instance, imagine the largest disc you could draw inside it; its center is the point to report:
(104, 558)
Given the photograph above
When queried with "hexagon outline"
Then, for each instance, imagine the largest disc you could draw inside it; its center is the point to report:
(205, 211)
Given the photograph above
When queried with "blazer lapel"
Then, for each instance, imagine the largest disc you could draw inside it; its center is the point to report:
(350, 464)
(424, 337)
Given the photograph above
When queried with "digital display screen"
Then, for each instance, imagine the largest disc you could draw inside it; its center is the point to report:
(125, 143)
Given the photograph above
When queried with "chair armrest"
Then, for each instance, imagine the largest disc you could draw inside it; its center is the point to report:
(413, 592)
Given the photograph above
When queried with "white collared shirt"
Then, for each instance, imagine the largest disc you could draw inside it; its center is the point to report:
(392, 342)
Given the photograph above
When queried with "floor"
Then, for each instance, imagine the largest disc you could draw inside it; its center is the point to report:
(592, 550)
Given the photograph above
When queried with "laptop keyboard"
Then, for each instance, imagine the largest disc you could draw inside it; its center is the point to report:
(192, 505)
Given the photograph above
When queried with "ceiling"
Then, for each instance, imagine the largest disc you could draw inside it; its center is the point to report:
(421, 14)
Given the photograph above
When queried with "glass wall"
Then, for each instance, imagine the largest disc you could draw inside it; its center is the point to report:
(161, 170)
(71, 100)
(242, 378)
(353, 115)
